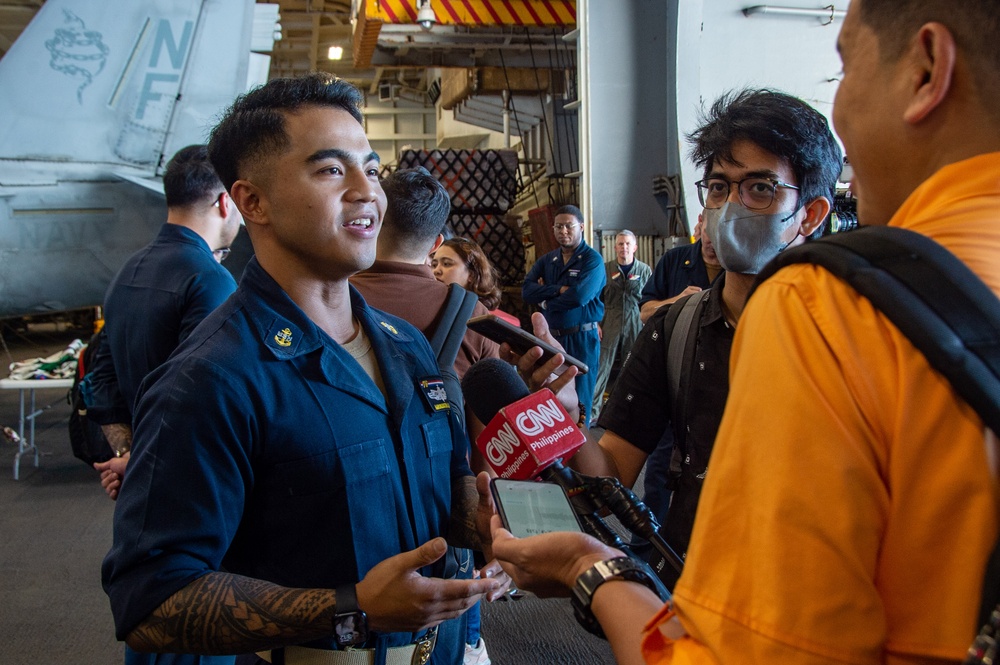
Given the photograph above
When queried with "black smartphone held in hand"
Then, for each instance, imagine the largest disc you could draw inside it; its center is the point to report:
(528, 507)
(500, 331)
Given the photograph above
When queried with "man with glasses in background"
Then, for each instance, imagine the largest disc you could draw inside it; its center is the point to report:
(771, 166)
(567, 283)
(159, 296)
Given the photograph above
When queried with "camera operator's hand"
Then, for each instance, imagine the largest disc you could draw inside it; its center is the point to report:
(553, 374)
(547, 565)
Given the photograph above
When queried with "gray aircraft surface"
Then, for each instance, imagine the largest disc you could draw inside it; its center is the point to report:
(97, 96)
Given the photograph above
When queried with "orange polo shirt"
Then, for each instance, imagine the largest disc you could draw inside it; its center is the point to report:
(848, 511)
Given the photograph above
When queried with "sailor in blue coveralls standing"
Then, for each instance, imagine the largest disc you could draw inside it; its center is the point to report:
(295, 468)
(566, 283)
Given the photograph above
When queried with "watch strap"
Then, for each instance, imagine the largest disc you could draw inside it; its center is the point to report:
(347, 599)
(350, 623)
(590, 580)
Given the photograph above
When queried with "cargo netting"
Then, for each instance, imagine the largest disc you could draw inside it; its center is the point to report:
(483, 186)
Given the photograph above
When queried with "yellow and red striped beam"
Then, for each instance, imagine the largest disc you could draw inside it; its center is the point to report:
(477, 12)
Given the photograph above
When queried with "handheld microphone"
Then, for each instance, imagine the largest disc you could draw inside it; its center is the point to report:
(529, 434)
(525, 432)
(498, 396)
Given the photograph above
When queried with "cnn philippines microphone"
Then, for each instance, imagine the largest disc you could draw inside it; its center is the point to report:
(528, 435)
(525, 432)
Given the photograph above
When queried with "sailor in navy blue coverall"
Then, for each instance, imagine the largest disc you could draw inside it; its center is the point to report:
(567, 283)
(291, 465)
(157, 299)
(676, 270)
(295, 467)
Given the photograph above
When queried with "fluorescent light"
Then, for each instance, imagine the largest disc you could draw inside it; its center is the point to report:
(335, 53)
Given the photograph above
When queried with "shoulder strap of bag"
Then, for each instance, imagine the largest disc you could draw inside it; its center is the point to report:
(941, 306)
(446, 341)
(450, 329)
(682, 323)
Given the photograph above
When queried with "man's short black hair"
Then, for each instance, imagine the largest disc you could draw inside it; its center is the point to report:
(190, 178)
(570, 210)
(417, 209)
(781, 124)
(254, 126)
(975, 25)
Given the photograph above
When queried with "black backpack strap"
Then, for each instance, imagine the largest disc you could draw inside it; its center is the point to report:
(941, 306)
(682, 323)
(450, 328)
(446, 341)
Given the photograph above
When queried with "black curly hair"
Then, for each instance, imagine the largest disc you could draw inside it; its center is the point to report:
(254, 125)
(779, 123)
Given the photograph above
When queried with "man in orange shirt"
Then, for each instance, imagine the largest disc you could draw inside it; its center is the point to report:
(851, 508)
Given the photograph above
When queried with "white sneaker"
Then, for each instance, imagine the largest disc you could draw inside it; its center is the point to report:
(476, 655)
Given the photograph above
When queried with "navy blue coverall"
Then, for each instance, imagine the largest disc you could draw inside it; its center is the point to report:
(157, 299)
(574, 314)
(264, 449)
(676, 270)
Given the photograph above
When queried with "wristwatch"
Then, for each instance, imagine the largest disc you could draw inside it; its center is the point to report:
(602, 571)
(350, 624)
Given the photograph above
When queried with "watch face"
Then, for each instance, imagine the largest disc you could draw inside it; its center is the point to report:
(350, 629)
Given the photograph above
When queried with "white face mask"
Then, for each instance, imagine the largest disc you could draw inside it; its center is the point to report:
(745, 240)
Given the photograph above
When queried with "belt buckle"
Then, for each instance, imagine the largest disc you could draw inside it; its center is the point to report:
(424, 647)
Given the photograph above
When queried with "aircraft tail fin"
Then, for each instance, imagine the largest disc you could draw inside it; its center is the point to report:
(121, 84)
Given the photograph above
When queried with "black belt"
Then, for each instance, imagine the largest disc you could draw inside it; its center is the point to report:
(583, 327)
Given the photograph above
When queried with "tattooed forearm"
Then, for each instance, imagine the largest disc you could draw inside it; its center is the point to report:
(463, 531)
(119, 437)
(229, 614)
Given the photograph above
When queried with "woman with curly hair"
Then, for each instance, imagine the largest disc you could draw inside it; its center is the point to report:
(463, 262)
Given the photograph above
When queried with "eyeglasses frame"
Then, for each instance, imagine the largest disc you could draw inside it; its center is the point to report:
(739, 189)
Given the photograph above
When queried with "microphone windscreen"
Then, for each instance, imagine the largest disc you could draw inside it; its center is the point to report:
(491, 384)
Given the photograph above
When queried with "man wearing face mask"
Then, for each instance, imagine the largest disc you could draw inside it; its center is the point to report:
(770, 168)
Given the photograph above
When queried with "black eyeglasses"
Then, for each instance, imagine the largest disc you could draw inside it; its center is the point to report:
(755, 193)
(221, 253)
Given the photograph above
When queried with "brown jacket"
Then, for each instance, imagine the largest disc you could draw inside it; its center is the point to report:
(410, 292)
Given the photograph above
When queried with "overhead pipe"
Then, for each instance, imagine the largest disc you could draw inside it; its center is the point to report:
(829, 12)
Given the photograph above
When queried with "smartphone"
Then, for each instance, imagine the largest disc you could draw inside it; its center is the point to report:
(528, 508)
(500, 331)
